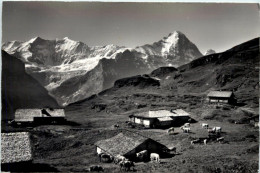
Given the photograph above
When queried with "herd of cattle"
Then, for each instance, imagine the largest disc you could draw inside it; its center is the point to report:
(214, 133)
(125, 164)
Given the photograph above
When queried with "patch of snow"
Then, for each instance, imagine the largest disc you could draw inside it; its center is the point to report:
(169, 42)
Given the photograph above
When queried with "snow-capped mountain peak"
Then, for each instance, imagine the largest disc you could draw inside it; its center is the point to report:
(175, 49)
(35, 39)
(170, 41)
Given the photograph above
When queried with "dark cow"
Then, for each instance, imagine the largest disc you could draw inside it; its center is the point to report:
(96, 168)
(126, 165)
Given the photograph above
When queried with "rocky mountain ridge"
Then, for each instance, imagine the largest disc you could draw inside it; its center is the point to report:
(67, 68)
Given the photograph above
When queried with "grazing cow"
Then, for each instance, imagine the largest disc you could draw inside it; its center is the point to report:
(195, 141)
(221, 139)
(204, 125)
(155, 156)
(126, 165)
(119, 158)
(96, 168)
(217, 129)
(211, 131)
(185, 129)
(170, 130)
(172, 149)
(205, 141)
(186, 125)
(142, 155)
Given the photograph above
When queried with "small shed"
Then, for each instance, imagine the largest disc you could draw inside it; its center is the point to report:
(44, 115)
(127, 144)
(15, 147)
(227, 97)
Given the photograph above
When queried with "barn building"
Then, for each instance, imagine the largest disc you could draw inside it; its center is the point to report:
(160, 118)
(40, 116)
(15, 149)
(226, 97)
(17, 154)
(127, 144)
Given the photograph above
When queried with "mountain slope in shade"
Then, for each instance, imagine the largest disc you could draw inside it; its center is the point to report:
(101, 77)
(67, 68)
(20, 90)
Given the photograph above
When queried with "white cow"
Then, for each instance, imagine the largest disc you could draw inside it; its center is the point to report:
(172, 149)
(195, 141)
(211, 131)
(142, 155)
(217, 129)
(170, 130)
(119, 158)
(155, 156)
(221, 139)
(185, 129)
(205, 125)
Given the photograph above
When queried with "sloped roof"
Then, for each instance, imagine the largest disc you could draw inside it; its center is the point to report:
(15, 147)
(27, 115)
(56, 112)
(160, 113)
(180, 112)
(163, 113)
(165, 119)
(121, 143)
(142, 114)
(225, 94)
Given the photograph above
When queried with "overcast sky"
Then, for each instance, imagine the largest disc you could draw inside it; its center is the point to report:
(209, 26)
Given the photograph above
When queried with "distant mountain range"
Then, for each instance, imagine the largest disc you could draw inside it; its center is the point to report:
(71, 70)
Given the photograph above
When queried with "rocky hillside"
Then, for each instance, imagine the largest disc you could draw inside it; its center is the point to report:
(20, 90)
(67, 68)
